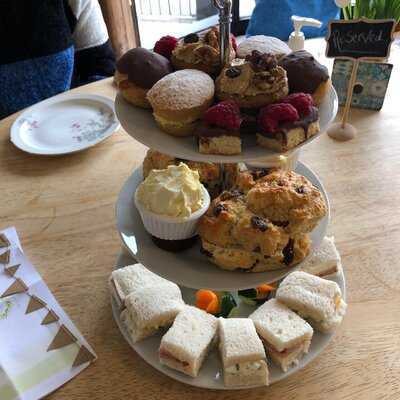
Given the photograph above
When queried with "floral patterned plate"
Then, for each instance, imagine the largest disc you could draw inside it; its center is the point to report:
(63, 124)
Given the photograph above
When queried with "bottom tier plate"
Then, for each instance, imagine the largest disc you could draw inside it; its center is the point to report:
(210, 376)
(190, 268)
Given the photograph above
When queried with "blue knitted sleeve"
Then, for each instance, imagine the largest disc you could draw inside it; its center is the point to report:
(27, 82)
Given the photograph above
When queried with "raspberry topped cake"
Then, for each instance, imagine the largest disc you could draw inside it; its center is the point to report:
(219, 132)
(283, 126)
(254, 82)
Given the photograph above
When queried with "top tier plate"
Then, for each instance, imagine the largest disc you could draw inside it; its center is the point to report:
(140, 124)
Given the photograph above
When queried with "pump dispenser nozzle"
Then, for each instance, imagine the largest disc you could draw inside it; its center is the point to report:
(296, 38)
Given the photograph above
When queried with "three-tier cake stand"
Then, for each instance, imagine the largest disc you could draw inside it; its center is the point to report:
(190, 269)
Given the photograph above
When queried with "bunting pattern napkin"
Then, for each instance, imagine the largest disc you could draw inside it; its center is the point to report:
(40, 348)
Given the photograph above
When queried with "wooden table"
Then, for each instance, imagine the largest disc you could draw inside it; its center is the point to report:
(63, 209)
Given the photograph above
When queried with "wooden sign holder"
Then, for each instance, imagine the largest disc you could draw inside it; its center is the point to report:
(343, 131)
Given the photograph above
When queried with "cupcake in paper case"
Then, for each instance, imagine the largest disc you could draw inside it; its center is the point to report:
(170, 202)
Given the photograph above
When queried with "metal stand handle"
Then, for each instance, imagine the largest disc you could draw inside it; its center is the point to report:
(224, 9)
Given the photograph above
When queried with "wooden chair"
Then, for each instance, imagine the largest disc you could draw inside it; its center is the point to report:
(122, 27)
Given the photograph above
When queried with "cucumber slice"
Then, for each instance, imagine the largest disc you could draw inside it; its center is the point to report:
(234, 313)
(227, 304)
(249, 302)
(248, 293)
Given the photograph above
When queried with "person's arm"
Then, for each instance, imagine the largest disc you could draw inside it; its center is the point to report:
(94, 57)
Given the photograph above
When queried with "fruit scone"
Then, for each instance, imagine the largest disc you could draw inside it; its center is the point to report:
(254, 82)
(200, 51)
(283, 126)
(210, 173)
(288, 200)
(234, 237)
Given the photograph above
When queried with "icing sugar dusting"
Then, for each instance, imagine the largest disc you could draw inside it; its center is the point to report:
(264, 44)
(186, 88)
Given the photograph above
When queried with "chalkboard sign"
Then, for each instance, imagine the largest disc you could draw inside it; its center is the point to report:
(362, 38)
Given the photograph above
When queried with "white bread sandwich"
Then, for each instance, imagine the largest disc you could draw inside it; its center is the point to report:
(242, 353)
(188, 341)
(285, 335)
(151, 308)
(126, 280)
(316, 299)
(324, 261)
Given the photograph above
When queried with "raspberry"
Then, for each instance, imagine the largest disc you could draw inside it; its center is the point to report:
(165, 46)
(267, 124)
(271, 115)
(234, 44)
(225, 114)
(302, 102)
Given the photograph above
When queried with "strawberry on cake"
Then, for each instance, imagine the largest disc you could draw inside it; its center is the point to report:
(219, 132)
(283, 126)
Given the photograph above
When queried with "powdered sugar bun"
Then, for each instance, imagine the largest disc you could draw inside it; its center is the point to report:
(180, 99)
(264, 44)
(181, 90)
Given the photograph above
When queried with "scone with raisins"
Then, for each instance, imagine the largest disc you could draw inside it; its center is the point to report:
(234, 237)
(210, 173)
(288, 200)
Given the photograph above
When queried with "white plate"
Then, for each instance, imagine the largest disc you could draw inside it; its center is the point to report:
(140, 124)
(63, 124)
(190, 268)
(210, 376)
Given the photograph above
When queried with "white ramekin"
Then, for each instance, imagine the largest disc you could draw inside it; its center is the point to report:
(172, 228)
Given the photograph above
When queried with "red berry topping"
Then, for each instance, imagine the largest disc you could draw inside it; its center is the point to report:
(302, 102)
(273, 114)
(267, 124)
(225, 114)
(165, 46)
(234, 43)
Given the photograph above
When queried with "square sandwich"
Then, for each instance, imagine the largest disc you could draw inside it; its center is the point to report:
(126, 280)
(285, 335)
(324, 261)
(151, 308)
(188, 341)
(242, 353)
(316, 299)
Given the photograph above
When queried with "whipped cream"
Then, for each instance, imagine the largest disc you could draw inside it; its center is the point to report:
(175, 191)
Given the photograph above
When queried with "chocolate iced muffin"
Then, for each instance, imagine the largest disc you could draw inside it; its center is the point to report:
(305, 74)
(137, 71)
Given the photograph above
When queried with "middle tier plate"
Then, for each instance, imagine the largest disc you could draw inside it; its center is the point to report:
(190, 268)
(140, 124)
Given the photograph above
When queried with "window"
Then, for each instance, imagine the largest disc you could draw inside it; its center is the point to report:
(158, 18)
(241, 13)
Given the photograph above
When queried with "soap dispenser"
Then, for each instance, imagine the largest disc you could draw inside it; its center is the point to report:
(296, 38)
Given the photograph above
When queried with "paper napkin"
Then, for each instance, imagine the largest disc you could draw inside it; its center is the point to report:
(40, 347)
